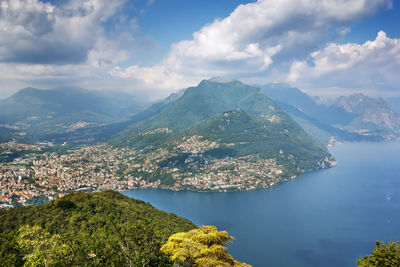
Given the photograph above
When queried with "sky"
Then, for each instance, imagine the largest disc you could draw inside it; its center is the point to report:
(152, 48)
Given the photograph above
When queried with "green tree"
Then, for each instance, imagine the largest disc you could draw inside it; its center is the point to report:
(383, 255)
(200, 247)
(10, 254)
(41, 248)
(81, 229)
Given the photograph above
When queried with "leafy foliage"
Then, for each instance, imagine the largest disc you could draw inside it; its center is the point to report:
(383, 255)
(80, 229)
(200, 247)
(41, 248)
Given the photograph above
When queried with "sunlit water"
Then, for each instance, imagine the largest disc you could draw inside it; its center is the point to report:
(326, 218)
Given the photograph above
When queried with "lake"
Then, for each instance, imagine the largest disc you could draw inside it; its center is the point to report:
(326, 218)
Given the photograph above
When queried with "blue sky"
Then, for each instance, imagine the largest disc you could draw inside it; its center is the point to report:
(170, 21)
(386, 20)
(155, 47)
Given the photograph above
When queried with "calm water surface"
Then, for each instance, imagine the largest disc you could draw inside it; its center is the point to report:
(326, 218)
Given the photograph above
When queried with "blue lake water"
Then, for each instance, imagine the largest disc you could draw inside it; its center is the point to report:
(326, 218)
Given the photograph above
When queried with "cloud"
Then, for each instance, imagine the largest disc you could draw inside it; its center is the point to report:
(75, 42)
(34, 32)
(373, 64)
(150, 2)
(92, 43)
(157, 77)
(255, 39)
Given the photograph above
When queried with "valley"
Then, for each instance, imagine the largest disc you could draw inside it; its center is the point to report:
(273, 126)
(221, 135)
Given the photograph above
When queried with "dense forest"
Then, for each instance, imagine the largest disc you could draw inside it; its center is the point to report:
(81, 229)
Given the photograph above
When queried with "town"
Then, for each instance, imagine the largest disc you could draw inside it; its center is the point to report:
(40, 174)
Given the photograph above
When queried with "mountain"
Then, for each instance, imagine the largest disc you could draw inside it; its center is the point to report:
(352, 118)
(81, 229)
(103, 132)
(330, 115)
(156, 107)
(318, 120)
(222, 135)
(394, 103)
(372, 115)
(40, 113)
(199, 103)
(254, 135)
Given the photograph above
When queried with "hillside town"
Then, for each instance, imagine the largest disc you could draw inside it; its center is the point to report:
(40, 174)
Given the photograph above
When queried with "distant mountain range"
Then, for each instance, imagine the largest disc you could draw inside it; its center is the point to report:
(394, 103)
(77, 115)
(39, 114)
(370, 114)
(221, 135)
(351, 118)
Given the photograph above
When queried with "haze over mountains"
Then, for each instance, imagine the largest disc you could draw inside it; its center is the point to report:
(394, 103)
(220, 135)
(39, 115)
(352, 118)
(65, 113)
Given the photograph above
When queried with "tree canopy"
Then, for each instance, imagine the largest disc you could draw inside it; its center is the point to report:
(382, 256)
(203, 247)
(80, 229)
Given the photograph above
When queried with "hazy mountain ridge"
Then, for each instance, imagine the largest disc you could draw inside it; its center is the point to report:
(221, 135)
(38, 113)
(370, 111)
(328, 114)
(353, 118)
(78, 115)
(394, 103)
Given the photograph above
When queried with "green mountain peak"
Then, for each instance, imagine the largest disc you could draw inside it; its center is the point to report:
(214, 132)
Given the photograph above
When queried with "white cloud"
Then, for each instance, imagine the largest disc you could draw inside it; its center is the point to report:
(254, 39)
(373, 64)
(35, 32)
(47, 44)
(150, 2)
